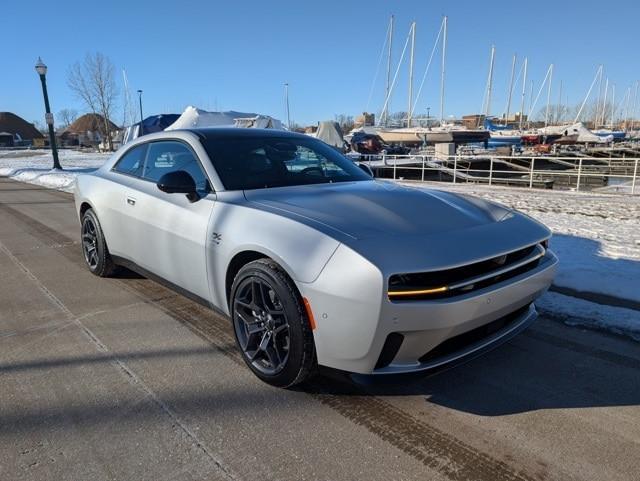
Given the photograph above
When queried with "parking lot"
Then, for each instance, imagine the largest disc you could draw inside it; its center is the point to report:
(122, 378)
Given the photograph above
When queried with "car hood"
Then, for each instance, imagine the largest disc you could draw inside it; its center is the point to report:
(367, 209)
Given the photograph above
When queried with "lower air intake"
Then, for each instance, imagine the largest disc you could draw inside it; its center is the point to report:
(469, 338)
(390, 349)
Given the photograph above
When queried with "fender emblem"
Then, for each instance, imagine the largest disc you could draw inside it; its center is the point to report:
(215, 237)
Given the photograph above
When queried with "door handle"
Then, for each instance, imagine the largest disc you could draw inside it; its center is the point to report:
(131, 201)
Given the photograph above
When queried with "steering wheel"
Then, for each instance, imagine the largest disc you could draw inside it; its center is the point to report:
(308, 170)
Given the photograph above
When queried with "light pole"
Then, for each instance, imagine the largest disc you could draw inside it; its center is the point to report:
(428, 116)
(140, 101)
(286, 99)
(41, 68)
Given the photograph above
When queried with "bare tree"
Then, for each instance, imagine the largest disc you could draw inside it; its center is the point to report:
(40, 127)
(66, 117)
(346, 122)
(92, 80)
(558, 114)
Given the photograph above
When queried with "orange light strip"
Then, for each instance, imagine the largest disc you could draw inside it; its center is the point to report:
(418, 292)
(307, 307)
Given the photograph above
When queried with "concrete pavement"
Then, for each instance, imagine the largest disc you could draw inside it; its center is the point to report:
(124, 379)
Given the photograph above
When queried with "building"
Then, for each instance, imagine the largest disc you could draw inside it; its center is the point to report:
(21, 131)
(365, 120)
(87, 131)
(473, 121)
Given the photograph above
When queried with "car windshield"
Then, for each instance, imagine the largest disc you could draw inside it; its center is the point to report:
(245, 163)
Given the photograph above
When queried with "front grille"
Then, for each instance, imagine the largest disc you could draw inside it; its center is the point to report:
(460, 280)
(469, 338)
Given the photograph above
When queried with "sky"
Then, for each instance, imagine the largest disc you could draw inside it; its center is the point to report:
(221, 55)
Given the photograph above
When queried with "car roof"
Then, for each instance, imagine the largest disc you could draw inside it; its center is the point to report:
(235, 132)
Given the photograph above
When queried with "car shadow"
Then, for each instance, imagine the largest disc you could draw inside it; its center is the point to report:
(125, 273)
(536, 370)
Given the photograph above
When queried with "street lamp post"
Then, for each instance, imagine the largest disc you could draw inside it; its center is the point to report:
(41, 68)
(140, 101)
(286, 100)
(428, 116)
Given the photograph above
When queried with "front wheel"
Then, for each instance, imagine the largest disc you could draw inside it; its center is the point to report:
(271, 325)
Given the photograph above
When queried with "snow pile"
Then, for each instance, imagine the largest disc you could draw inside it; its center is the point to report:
(34, 166)
(578, 312)
(621, 188)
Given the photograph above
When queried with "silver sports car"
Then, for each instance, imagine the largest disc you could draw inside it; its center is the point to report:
(314, 261)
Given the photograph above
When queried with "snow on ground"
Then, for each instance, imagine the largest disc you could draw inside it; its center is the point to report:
(34, 166)
(596, 237)
(578, 312)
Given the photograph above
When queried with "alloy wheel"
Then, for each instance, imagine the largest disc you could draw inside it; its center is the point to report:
(261, 325)
(90, 242)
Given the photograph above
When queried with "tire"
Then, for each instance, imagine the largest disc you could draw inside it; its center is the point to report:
(271, 326)
(94, 247)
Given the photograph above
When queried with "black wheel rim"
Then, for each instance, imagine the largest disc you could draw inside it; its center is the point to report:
(90, 242)
(261, 326)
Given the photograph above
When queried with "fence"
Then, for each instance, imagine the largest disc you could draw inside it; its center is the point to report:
(618, 175)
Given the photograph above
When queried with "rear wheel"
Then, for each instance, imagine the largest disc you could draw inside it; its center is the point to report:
(271, 325)
(94, 246)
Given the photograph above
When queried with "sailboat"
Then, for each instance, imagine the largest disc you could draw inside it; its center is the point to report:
(418, 135)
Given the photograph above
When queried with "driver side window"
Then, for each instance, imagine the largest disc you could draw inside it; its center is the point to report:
(171, 156)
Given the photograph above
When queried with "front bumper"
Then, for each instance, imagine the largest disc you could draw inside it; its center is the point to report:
(352, 328)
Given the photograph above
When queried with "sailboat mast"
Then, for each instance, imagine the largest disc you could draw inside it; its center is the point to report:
(413, 45)
(442, 70)
(635, 106)
(613, 104)
(597, 112)
(604, 102)
(389, 43)
(584, 102)
(556, 120)
(487, 109)
(524, 91)
(546, 117)
(513, 71)
(626, 110)
(286, 101)
(128, 109)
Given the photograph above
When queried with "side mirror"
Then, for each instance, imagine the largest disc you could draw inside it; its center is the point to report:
(178, 182)
(366, 168)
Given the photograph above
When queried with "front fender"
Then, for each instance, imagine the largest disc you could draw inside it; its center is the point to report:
(300, 250)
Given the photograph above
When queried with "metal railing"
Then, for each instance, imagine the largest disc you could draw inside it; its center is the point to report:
(619, 175)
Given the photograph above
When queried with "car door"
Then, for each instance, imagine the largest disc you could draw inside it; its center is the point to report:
(118, 215)
(172, 230)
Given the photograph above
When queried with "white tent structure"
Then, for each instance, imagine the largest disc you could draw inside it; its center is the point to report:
(193, 117)
(584, 135)
(330, 133)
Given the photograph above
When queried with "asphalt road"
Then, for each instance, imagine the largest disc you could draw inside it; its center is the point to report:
(123, 379)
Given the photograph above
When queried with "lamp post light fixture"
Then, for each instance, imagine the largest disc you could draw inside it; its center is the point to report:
(41, 68)
(140, 132)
